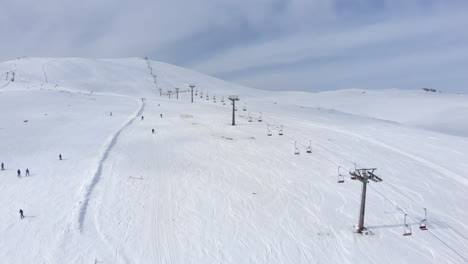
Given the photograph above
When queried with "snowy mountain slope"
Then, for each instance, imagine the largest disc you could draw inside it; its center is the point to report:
(202, 191)
(433, 111)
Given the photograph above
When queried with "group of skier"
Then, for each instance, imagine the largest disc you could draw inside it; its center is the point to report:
(18, 172)
(60, 158)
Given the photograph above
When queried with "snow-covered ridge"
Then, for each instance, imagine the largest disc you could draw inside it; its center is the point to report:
(434, 111)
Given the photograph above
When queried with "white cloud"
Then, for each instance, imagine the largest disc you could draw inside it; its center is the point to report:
(297, 48)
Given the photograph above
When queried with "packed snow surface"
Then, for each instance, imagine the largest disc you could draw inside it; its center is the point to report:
(199, 190)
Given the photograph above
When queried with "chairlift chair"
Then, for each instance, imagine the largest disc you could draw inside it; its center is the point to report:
(340, 176)
(260, 118)
(250, 118)
(353, 175)
(296, 150)
(309, 148)
(407, 230)
(280, 131)
(423, 224)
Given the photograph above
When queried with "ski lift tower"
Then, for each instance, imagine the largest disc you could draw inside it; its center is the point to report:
(364, 175)
(233, 98)
(191, 89)
(177, 93)
(160, 92)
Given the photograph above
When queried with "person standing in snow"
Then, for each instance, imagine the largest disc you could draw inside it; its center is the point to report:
(60, 156)
(142, 117)
(3, 166)
(19, 173)
(160, 115)
(27, 172)
(21, 214)
(152, 130)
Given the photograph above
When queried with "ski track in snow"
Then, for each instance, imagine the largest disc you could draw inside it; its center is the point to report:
(5, 85)
(79, 213)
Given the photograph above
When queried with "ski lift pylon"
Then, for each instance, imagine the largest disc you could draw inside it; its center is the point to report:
(340, 176)
(407, 230)
(423, 224)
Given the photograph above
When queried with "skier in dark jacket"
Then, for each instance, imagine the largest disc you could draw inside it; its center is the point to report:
(3, 166)
(152, 130)
(60, 156)
(27, 172)
(19, 173)
(21, 214)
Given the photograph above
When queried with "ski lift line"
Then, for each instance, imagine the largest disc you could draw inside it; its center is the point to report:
(331, 161)
(400, 192)
(315, 143)
(422, 207)
(414, 219)
(345, 159)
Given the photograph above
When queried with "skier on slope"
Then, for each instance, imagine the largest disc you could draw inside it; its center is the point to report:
(142, 117)
(21, 214)
(19, 173)
(3, 166)
(160, 115)
(27, 172)
(60, 156)
(152, 130)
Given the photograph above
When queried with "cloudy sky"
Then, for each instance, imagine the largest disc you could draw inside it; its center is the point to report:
(306, 45)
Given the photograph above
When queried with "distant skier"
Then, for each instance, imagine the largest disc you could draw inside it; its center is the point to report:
(110, 113)
(21, 214)
(60, 156)
(27, 172)
(160, 115)
(3, 166)
(19, 173)
(152, 130)
(142, 117)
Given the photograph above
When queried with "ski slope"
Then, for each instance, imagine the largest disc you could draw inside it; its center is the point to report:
(199, 190)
